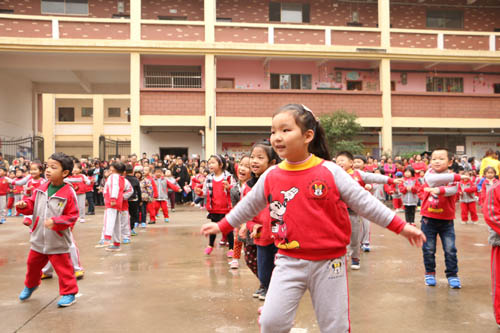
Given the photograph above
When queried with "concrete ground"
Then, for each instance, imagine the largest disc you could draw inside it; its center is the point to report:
(163, 282)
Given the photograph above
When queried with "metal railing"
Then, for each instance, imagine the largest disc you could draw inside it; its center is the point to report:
(31, 148)
(164, 77)
(109, 148)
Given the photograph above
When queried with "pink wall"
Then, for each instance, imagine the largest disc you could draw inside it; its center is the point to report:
(173, 61)
(473, 83)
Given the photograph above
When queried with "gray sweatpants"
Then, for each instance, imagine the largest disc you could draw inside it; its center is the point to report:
(81, 205)
(112, 226)
(354, 247)
(3, 207)
(125, 224)
(326, 281)
(17, 198)
(365, 235)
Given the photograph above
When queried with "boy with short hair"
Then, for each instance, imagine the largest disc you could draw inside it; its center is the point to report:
(162, 185)
(438, 196)
(55, 210)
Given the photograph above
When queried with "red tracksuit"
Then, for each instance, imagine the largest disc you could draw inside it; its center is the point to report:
(467, 190)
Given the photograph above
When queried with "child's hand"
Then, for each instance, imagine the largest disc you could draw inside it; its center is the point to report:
(398, 181)
(408, 188)
(255, 231)
(243, 231)
(49, 223)
(368, 187)
(180, 190)
(21, 204)
(464, 177)
(210, 228)
(112, 203)
(415, 236)
(197, 191)
(226, 185)
(433, 190)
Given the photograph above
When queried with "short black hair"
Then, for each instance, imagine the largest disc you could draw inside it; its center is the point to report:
(346, 154)
(118, 166)
(382, 171)
(2, 167)
(158, 168)
(360, 157)
(63, 159)
(409, 168)
(129, 168)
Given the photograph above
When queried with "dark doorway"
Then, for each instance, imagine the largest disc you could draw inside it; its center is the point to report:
(183, 152)
(355, 85)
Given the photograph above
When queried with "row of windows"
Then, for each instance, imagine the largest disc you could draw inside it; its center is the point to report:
(68, 113)
(289, 12)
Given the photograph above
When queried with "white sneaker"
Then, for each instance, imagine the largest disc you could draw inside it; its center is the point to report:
(82, 220)
(234, 264)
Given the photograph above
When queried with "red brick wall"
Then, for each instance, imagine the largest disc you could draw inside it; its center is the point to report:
(186, 102)
(97, 8)
(475, 19)
(413, 40)
(25, 28)
(460, 42)
(193, 9)
(445, 105)
(293, 36)
(322, 12)
(94, 30)
(355, 38)
(240, 35)
(264, 104)
(173, 32)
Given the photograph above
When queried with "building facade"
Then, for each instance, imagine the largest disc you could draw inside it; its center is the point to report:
(196, 77)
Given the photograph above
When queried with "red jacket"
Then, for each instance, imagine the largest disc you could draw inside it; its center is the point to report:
(113, 191)
(155, 188)
(440, 207)
(265, 236)
(4, 186)
(487, 185)
(491, 208)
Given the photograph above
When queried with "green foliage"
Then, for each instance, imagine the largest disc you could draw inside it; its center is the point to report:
(341, 128)
(409, 155)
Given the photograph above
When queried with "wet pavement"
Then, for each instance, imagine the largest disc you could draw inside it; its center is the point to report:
(163, 282)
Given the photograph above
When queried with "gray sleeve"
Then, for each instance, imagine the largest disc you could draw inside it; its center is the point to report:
(358, 199)
(251, 204)
(373, 178)
(438, 179)
(450, 190)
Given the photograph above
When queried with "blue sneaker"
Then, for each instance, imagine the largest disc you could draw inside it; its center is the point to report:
(9, 213)
(133, 233)
(113, 248)
(430, 280)
(166, 219)
(126, 241)
(143, 225)
(26, 293)
(136, 225)
(355, 264)
(2, 221)
(454, 282)
(66, 300)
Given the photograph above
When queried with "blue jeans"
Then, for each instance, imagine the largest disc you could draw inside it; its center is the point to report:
(265, 263)
(446, 231)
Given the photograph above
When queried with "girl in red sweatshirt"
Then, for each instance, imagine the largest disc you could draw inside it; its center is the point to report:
(217, 189)
(308, 196)
(488, 183)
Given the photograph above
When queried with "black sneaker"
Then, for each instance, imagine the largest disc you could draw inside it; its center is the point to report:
(152, 222)
(262, 296)
(258, 292)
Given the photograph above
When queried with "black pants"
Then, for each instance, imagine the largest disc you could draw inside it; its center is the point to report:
(410, 214)
(230, 236)
(90, 199)
(133, 210)
(143, 211)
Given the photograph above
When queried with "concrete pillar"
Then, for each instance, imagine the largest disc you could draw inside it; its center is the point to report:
(384, 23)
(135, 103)
(210, 18)
(135, 20)
(385, 87)
(48, 124)
(210, 107)
(97, 122)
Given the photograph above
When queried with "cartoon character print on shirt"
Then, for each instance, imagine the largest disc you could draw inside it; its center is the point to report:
(434, 204)
(277, 211)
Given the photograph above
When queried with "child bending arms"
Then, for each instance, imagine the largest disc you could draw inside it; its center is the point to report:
(308, 197)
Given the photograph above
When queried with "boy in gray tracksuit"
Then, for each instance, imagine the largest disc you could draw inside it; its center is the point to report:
(54, 208)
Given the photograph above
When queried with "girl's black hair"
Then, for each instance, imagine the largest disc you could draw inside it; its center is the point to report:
(271, 155)
(409, 168)
(488, 168)
(39, 164)
(306, 120)
(220, 159)
(382, 171)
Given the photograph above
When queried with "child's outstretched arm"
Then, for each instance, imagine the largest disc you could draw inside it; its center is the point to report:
(363, 203)
(440, 179)
(244, 211)
(373, 178)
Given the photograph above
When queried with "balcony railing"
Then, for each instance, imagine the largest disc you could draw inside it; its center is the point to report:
(263, 103)
(184, 31)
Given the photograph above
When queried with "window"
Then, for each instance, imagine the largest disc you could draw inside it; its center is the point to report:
(224, 19)
(73, 7)
(225, 83)
(161, 76)
(448, 19)
(393, 85)
(355, 85)
(291, 81)
(445, 84)
(87, 112)
(496, 88)
(289, 12)
(172, 18)
(114, 112)
(66, 114)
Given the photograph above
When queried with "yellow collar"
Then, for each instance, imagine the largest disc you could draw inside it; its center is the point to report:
(312, 161)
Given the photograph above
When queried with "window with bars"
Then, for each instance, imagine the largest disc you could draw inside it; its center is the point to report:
(161, 76)
(291, 81)
(445, 84)
(447, 19)
(73, 7)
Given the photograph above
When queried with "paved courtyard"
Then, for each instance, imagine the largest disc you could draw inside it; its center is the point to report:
(163, 282)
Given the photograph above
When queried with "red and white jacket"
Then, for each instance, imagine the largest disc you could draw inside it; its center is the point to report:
(487, 185)
(265, 237)
(62, 208)
(4, 185)
(113, 191)
(79, 182)
(441, 206)
(128, 190)
(491, 212)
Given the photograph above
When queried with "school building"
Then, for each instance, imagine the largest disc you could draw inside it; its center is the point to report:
(200, 76)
